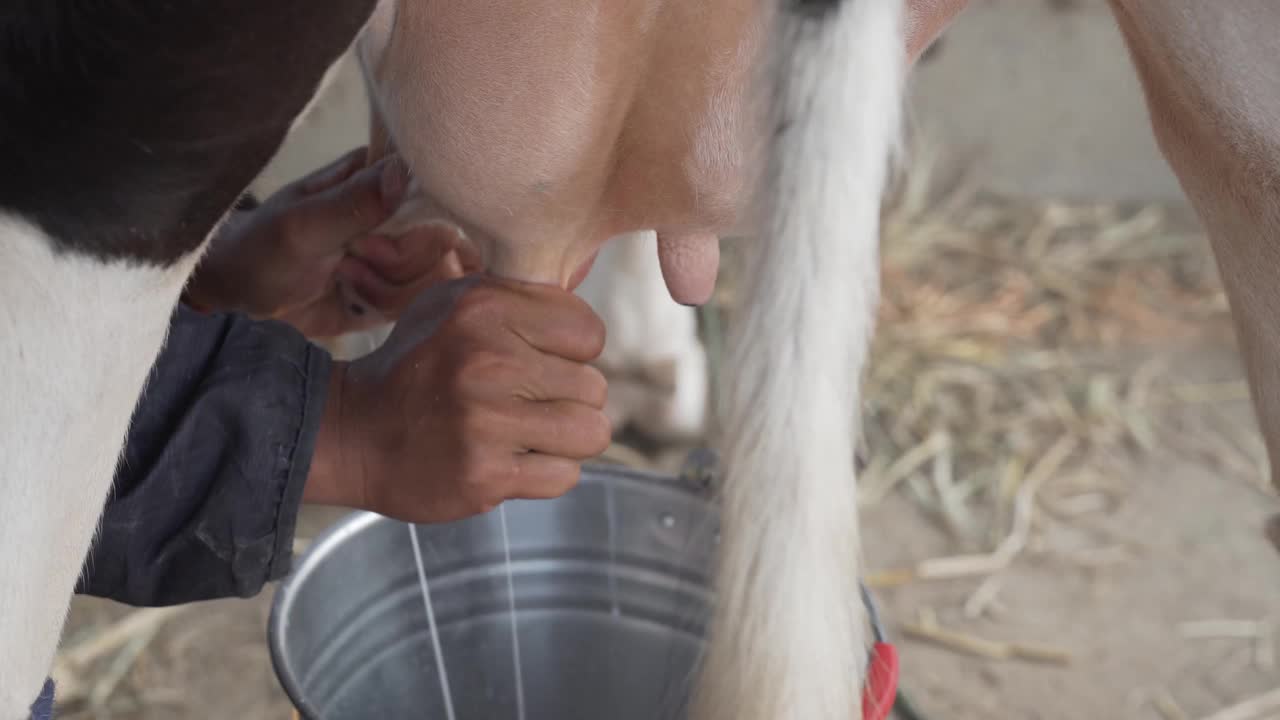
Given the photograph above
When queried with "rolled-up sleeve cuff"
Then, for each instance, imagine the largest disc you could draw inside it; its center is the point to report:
(206, 497)
(315, 384)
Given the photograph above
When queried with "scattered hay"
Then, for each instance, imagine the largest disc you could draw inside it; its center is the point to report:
(928, 629)
(91, 670)
(1011, 329)
(1008, 327)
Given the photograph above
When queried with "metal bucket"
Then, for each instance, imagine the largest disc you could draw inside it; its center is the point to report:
(611, 594)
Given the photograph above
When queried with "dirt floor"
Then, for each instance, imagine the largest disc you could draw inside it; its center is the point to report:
(1182, 544)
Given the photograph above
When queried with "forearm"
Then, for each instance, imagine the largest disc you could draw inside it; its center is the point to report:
(331, 480)
(207, 493)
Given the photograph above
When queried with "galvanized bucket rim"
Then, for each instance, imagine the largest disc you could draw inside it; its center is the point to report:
(358, 520)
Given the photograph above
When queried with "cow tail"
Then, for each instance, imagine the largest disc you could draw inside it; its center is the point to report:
(789, 636)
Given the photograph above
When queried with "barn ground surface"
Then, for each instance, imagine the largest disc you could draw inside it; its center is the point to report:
(1052, 339)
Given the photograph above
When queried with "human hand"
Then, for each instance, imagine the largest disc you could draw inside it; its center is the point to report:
(481, 394)
(288, 258)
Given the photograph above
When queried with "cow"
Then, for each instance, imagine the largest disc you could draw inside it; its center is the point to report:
(129, 128)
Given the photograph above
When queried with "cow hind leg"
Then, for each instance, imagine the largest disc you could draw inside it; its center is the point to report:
(1208, 73)
(788, 635)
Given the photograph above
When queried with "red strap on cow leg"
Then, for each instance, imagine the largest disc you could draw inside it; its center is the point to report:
(882, 682)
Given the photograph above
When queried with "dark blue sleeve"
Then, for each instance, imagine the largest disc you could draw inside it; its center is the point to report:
(207, 493)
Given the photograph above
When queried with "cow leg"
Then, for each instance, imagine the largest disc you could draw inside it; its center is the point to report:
(118, 168)
(77, 339)
(1208, 72)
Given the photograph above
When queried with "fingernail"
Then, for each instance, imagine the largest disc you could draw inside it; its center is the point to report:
(394, 181)
(453, 265)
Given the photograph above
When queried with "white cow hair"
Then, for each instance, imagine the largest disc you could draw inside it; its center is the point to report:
(95, 328)
(788, 637)
(77, 340)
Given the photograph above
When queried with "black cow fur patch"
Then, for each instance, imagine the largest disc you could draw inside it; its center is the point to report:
(129, 127)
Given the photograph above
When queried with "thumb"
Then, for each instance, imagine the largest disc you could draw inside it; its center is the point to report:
(352, 208)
